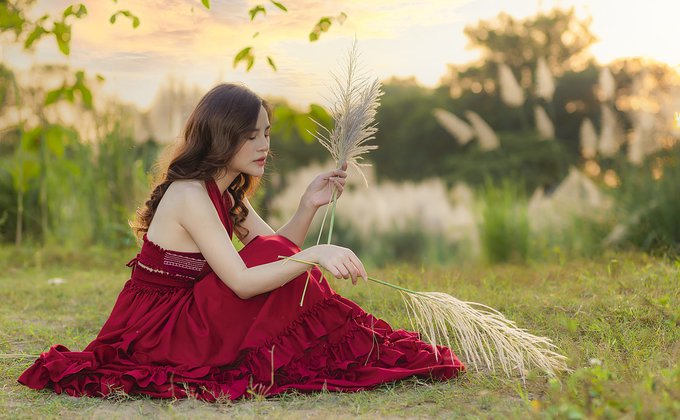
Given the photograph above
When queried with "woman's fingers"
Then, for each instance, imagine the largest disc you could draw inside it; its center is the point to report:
(343, 270)
(359, 266)
(353, 272)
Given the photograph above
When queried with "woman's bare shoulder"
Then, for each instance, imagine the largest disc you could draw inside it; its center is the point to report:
(186, 188)
(183, 193)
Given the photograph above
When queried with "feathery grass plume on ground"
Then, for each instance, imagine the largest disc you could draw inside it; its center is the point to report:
(483, 334)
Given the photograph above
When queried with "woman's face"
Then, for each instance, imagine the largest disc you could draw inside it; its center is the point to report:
(251, 157)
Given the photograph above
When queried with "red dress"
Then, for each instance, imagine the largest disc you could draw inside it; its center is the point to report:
(176, 328)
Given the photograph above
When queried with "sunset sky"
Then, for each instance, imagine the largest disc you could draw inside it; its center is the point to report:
(396, 37)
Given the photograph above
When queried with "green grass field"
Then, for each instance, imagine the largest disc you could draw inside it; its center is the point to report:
(617, 318)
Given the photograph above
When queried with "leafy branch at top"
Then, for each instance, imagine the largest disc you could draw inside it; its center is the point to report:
(246, 54)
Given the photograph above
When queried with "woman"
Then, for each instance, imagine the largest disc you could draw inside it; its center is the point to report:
(199, 318)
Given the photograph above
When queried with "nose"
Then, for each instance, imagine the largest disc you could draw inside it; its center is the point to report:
(265, 144)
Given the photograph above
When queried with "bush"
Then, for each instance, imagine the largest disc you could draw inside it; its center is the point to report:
(504, 230)
(523, 156)
(412, 245)
(651, 206)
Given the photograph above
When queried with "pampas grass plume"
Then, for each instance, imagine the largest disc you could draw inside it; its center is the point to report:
(608, 144)
(607, 85)
(354, 105)
(483, 335)
(544, 126)
(545, 84)
(458, 128)
(588, 139)
(511, 92)
(487, 138)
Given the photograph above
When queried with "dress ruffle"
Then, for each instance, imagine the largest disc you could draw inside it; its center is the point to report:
(334, 346)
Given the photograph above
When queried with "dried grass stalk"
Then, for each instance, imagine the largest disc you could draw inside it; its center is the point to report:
(354, 105)
(485, 337)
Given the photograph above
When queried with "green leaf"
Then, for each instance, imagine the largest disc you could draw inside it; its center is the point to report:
(78, 13)
(320, 114)
(271, 63)
(128, 14)
(255, 10)
(68, 93)
(54, 138)
(62, 33)
(324, 24)
(53, 96)
(279, 5)
(206, 4)
(302, 124)
(68, 11)
(11, 20)
(100, 77)
(24, 171)
(256, 34)
(30, 140)
(86, 95)
(242, 55)
(251, 61)
(38, 32)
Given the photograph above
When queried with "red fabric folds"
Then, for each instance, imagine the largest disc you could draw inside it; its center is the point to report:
(176, 329)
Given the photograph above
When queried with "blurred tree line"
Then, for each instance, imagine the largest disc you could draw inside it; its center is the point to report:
(53, 184)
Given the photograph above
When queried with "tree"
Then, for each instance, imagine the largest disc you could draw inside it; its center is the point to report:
(558, 36)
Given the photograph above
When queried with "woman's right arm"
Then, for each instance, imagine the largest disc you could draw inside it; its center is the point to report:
(197, 214)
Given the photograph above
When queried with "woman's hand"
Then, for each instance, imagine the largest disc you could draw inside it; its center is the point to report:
(341, 262)
(320, 190)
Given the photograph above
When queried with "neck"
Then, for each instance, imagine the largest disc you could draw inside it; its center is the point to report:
(224, 180)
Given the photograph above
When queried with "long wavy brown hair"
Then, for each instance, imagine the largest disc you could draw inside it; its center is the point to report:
(213, 134)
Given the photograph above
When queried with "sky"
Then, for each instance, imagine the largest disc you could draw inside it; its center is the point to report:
(182, 40)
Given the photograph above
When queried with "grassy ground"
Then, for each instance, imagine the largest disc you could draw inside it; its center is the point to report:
(617, 319)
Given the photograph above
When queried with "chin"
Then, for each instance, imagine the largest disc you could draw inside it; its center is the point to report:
(257, 173)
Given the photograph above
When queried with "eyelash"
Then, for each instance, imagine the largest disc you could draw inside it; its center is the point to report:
(253, 138)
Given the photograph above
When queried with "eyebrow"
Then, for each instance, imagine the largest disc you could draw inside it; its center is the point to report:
(257, 129)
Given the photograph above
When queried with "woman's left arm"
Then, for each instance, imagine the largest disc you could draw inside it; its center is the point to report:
(297, 227)
(318, 193)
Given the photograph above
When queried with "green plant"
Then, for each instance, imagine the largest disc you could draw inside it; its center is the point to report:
(504, 230)
(650, 202)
